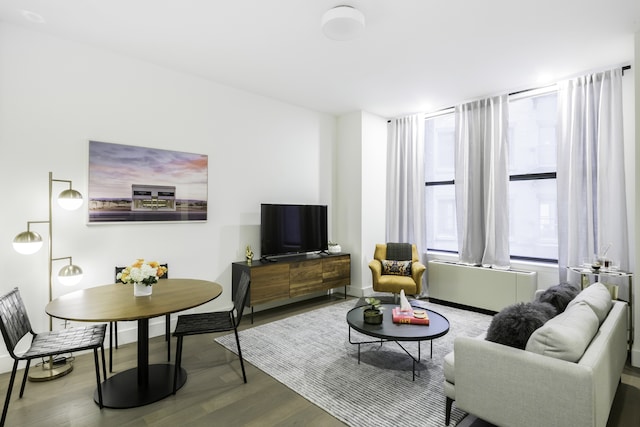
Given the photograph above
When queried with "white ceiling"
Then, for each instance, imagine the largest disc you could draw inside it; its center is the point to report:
(414, 55)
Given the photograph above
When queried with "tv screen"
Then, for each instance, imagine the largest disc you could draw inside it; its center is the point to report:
(292, 229)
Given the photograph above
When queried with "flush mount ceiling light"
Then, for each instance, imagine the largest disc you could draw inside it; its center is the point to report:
(342, 23)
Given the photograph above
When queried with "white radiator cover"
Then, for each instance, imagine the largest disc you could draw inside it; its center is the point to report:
(480, 287)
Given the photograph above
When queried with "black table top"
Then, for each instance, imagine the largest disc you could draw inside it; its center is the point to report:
(438, 325)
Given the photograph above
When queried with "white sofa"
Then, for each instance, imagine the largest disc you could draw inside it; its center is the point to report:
(555, 381)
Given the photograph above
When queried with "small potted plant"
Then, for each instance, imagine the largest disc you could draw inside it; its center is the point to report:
(334, 248)
(373, 313)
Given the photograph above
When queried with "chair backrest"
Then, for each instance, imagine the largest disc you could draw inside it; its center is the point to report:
(119, 270)
(240, 298)
(14, 321)
(398, 253)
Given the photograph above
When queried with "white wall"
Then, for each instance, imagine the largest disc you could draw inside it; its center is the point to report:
(349, 192)
(56, 95)
(374, 194)
(361, 177)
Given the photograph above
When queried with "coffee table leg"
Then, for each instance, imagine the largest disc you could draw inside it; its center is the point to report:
(354, 343)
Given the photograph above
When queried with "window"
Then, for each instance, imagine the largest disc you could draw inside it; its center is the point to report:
(440, 199)
(533, 224)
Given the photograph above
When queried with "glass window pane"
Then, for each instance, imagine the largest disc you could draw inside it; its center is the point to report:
(440, 203)
(439, 148)
(532, 134)
(533, 221)
(441, 218)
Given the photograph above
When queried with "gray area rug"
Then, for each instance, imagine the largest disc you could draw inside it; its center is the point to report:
(310, 353)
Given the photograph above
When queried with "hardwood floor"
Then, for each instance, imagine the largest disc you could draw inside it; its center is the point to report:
(214, 392)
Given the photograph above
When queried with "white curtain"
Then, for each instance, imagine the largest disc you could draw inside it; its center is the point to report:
(592, 209)
(482, 182)
(405, 182)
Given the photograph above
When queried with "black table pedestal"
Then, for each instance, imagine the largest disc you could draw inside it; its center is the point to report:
(122, 391)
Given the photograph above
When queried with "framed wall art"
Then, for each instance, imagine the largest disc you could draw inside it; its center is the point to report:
(133, 184)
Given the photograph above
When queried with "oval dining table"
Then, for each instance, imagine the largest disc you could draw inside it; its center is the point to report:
(145, 383)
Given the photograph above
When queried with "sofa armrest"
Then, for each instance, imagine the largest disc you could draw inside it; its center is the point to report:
(509, 386)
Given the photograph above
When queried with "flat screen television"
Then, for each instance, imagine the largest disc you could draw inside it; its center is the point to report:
(292, 229)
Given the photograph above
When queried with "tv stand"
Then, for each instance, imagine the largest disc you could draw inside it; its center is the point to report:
(290, 277)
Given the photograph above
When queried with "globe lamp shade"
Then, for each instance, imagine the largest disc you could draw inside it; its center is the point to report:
(70, 275)
(27, 242)
(70, 199)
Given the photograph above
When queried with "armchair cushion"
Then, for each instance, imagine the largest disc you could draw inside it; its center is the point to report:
(397, 268)
(399, 251)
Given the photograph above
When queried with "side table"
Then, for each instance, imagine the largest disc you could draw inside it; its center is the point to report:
(585, 280)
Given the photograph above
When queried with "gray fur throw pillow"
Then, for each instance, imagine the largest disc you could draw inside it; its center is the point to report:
(559, 296)
(514, 324)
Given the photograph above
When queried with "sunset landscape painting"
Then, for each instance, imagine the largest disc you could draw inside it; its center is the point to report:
(132, 184)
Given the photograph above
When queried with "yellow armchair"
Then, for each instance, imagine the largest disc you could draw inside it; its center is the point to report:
(393, 283)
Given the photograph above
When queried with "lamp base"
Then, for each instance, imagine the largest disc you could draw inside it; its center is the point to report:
(48, 373)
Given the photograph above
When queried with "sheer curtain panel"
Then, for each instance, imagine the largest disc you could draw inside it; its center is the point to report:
(482, 182)
(405, 182)
(592, 209)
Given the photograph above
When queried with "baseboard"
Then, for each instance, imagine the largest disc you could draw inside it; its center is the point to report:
(461, 306)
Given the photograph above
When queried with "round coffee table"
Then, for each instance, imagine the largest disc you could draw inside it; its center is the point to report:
(397, 332)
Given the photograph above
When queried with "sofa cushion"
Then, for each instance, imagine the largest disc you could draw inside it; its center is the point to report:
(598, 297)
(397, 268)
(514, 324)
(559, 296)
(567, 335)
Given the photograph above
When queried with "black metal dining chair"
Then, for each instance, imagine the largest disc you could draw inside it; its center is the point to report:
(113, 326)
(15, 325)
(217, 321)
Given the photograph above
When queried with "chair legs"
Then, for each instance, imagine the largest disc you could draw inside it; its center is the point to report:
(177, 363)
(24, 377)
(112, 337)
(104, 365)
(167, 335)
(14, 372)
(244, 375)
(95, 359)
(6, 400)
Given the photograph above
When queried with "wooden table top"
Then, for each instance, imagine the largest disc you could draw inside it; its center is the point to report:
(116, 302)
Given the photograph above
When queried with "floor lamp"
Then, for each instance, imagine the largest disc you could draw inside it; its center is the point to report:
(29, 242)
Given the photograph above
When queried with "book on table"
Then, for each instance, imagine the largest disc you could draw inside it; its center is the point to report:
(413, 316)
